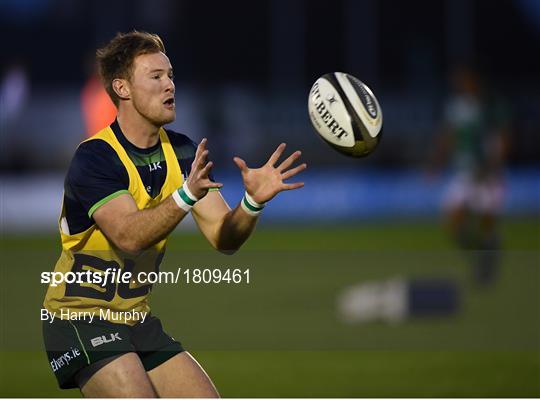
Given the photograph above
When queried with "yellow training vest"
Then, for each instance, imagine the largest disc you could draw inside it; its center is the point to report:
(92, 251)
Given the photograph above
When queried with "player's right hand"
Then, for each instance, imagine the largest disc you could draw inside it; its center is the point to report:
(198, 180)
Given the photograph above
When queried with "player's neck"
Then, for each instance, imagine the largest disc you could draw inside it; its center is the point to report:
(138, 130)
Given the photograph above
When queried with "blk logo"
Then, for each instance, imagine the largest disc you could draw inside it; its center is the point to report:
(98, 341)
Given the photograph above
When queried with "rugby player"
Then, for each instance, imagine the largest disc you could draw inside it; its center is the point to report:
(127, 188)
(475, 136)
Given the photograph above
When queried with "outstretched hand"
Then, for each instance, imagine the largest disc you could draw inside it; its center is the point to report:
(198, 180)
(264, 183)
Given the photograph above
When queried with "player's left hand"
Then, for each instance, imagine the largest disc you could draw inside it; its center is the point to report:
(265, 182)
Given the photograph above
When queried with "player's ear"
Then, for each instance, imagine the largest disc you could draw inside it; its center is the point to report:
(121, 88)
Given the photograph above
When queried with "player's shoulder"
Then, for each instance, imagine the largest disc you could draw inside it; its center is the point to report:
(94, 144)
(183, 145)
(95, 150)
(94, 156)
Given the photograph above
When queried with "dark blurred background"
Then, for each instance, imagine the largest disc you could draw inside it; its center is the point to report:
(359, 227)
(244, 69)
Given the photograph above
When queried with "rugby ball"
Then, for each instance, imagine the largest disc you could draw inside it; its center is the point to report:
(345, 114)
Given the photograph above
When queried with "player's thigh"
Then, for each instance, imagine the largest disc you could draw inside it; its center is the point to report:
(123, 377)
(182, 376)
(457, 194)
(488, 198)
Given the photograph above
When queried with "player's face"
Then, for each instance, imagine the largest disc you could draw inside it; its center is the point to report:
(152, 88)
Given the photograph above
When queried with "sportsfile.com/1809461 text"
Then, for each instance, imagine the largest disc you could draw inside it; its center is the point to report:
(180, 276)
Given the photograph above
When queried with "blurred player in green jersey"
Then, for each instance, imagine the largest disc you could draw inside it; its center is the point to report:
(474, 138)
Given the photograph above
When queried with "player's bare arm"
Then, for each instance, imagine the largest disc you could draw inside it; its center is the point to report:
(133, 230)
(228, 229)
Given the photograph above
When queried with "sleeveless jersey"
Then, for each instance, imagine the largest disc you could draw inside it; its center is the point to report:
(90, 250)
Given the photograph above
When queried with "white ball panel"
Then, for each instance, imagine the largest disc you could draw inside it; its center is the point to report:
(329, 115)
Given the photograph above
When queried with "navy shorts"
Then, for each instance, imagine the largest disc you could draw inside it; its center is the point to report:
(74, 346)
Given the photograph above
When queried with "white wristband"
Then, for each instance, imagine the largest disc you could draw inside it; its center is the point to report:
(250, 206)
(184, 198)
(188, 192)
